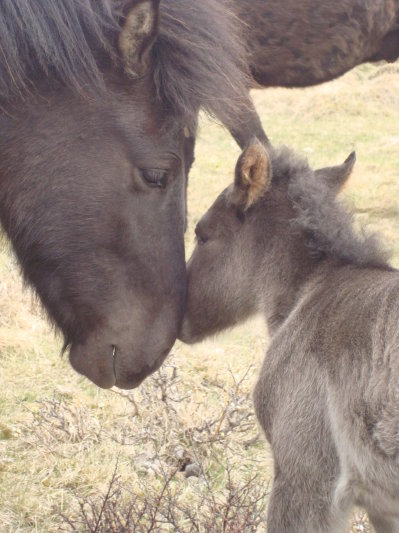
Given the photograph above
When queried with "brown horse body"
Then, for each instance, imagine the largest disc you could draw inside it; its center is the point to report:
(297, 44)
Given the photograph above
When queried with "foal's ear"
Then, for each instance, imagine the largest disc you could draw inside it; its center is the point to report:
(253, 175)
(138, 34)
(336, 177)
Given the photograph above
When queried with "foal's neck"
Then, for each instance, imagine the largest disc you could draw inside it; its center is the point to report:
(285, 280)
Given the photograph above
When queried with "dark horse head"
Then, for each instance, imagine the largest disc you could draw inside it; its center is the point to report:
(98, 99)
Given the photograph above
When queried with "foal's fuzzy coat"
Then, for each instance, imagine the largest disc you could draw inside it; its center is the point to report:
(327, 396)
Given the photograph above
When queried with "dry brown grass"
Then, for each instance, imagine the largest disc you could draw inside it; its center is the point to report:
(60, 437)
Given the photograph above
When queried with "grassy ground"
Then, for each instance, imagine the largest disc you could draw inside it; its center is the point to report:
(61, 439)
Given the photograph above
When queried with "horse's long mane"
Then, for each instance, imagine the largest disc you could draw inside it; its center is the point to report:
(57, 39)
(199, 58)
(328, 225)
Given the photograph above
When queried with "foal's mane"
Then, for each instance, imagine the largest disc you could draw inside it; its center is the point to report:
(198, 60)
(327, 224)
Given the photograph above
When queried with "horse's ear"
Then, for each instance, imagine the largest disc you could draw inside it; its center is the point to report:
(138, 34)
(336, 177)
(253, 175)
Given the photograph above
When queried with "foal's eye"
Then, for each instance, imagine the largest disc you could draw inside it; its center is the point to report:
(201, 238)
(155, 177)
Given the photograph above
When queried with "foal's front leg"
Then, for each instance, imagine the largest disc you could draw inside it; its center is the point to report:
(384, 524)
(305, 506)
(291, 407)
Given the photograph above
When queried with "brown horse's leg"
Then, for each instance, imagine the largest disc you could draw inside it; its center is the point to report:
(389, 50)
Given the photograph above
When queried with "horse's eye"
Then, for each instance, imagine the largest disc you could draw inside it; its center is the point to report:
(155, 177)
